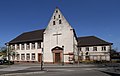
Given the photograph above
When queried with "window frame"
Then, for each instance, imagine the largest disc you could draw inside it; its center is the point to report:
(28, 56)
(103, 48)
(38, 45)
(59, 16)
(87, 49)
(17, 46)
(33, 45)
(53, 22)
(33, 56)
(94, 48)
(22, 56)
(27, 46)
(22, 46)
(60, 21)
(18, 56)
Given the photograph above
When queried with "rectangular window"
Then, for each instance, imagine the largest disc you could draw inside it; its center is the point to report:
(22, 47)
(17, 47)
(53, 22)
(60, 22)
(38, 45)
(27, 56)
(87, 48)
(33, 46)
(54, 17)
(94, 48)
(103, 48)
(22, 56)
(12, 47)
(59, 16)
(27, 46)
(33, 56)
(18, 56)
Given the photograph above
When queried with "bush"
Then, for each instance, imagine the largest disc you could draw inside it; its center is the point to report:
(115, 61)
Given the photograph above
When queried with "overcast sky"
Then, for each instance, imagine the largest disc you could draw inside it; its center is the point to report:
(100, 18)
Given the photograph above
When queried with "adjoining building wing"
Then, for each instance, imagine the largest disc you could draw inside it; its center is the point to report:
(93, 48)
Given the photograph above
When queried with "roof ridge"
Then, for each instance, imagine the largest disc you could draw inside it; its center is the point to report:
(34, 31)
(86, 36)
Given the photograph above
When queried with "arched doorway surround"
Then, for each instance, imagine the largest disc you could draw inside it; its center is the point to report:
(57, 54)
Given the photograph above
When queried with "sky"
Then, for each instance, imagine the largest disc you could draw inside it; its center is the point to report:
(100, 18)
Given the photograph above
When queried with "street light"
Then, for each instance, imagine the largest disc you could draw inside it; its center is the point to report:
(63, 56)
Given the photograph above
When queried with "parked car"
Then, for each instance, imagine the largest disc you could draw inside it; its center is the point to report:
(6, 62)
(1, 62)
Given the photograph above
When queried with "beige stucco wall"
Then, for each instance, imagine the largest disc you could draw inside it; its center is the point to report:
(66, 38)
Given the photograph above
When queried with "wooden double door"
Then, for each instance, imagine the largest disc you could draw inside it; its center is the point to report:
(39, 57)
(57, 54)
(57, 58)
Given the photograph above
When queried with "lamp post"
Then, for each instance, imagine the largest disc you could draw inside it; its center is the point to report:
(63, 56)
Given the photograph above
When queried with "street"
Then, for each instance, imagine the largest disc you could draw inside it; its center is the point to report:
(54, 70)
(71, 72)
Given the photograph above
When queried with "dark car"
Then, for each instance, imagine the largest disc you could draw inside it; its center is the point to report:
(7, 62)
(1, 62)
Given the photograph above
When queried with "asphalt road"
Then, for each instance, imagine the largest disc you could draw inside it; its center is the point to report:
(34, 70)
(57, 72)
(71, 72)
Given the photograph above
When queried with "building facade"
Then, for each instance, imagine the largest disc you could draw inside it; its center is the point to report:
(93, 48)
(57, 43)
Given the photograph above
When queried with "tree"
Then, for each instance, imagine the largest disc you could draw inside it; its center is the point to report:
(115, 54)
(3, 50)
(113, 51)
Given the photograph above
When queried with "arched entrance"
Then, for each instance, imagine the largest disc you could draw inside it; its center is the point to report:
(57, 54)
